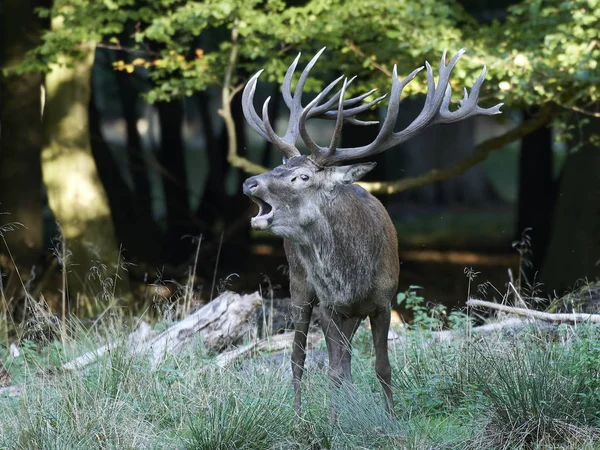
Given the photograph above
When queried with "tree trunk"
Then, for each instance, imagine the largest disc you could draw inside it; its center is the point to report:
(171, 157)
(574, 249)
(536, 193)
(134, 225)
(209, 210)
(137, 163)
(229, 248)
(75, 193)
(21, 134)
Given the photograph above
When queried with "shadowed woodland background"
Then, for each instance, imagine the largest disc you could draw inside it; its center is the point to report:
(128, 185)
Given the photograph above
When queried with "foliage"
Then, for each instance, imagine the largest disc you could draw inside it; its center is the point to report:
(547, 51)
(423, 317)
(585, 351)
(426, 316)
(543, 51)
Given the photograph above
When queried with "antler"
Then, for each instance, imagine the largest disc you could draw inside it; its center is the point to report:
(335, 108)
(435, 110)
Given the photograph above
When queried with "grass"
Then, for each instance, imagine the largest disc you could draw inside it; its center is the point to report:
(528, 391)
(523, 391)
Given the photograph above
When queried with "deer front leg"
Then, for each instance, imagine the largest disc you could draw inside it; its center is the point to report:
(380, 325)
(302, 306)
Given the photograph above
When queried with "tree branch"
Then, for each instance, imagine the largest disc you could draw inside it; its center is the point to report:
(480, 153)
(352, 46)
(225, 112)
(582, 111)
(540, 315)
(119, 47)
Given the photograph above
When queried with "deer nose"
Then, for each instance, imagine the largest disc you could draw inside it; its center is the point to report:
(250, 185)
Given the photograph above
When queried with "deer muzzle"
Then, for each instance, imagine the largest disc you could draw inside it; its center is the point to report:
(264, 219)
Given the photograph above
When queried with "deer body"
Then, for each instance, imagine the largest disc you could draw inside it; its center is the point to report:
(353, 252)
(339, 240)
(351, 270)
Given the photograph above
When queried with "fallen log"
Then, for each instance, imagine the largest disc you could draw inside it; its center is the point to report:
(276, 343)
(281, 342)
(508, 325)
(222, 322)
(534, 314)
(142, 333)
(12, 391)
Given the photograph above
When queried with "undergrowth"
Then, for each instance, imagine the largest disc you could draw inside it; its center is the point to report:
(529, 390)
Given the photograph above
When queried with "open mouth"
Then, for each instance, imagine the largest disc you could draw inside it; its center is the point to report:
(264, 218)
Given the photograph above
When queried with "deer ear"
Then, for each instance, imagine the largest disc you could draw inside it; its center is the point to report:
(352, 173)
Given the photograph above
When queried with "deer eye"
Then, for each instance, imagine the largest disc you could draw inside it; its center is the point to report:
(304, 177)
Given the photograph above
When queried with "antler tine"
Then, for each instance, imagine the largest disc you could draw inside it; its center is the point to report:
(287, 83)
(333, 101)
(263, 126)
(321, 109)
(433, 100)
(289, 149)
(339, 123)
(315, 149)
(358, 109)
(360, 123)
(468, 105)
(294, 102)
(248, 107)
(359, 98)
(393, 107)
(325, 111)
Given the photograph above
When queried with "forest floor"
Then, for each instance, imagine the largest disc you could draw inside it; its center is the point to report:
(525, 390)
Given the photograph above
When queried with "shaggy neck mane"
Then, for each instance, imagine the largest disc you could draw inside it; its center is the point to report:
(336, 262)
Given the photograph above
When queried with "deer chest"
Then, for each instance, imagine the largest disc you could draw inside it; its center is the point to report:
(335, 280)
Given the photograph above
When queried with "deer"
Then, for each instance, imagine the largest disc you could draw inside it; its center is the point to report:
(339, 240)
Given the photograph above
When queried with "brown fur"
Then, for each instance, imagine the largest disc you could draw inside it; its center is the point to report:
(342, 252)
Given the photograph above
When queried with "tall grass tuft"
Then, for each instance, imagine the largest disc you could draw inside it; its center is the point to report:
(534, 393)
(257, 418)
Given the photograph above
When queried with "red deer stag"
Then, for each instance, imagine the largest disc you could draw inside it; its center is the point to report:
(339, 240)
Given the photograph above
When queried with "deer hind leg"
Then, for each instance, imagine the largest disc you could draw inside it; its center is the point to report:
(380, 325)
(338, 331)
(301, 317)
